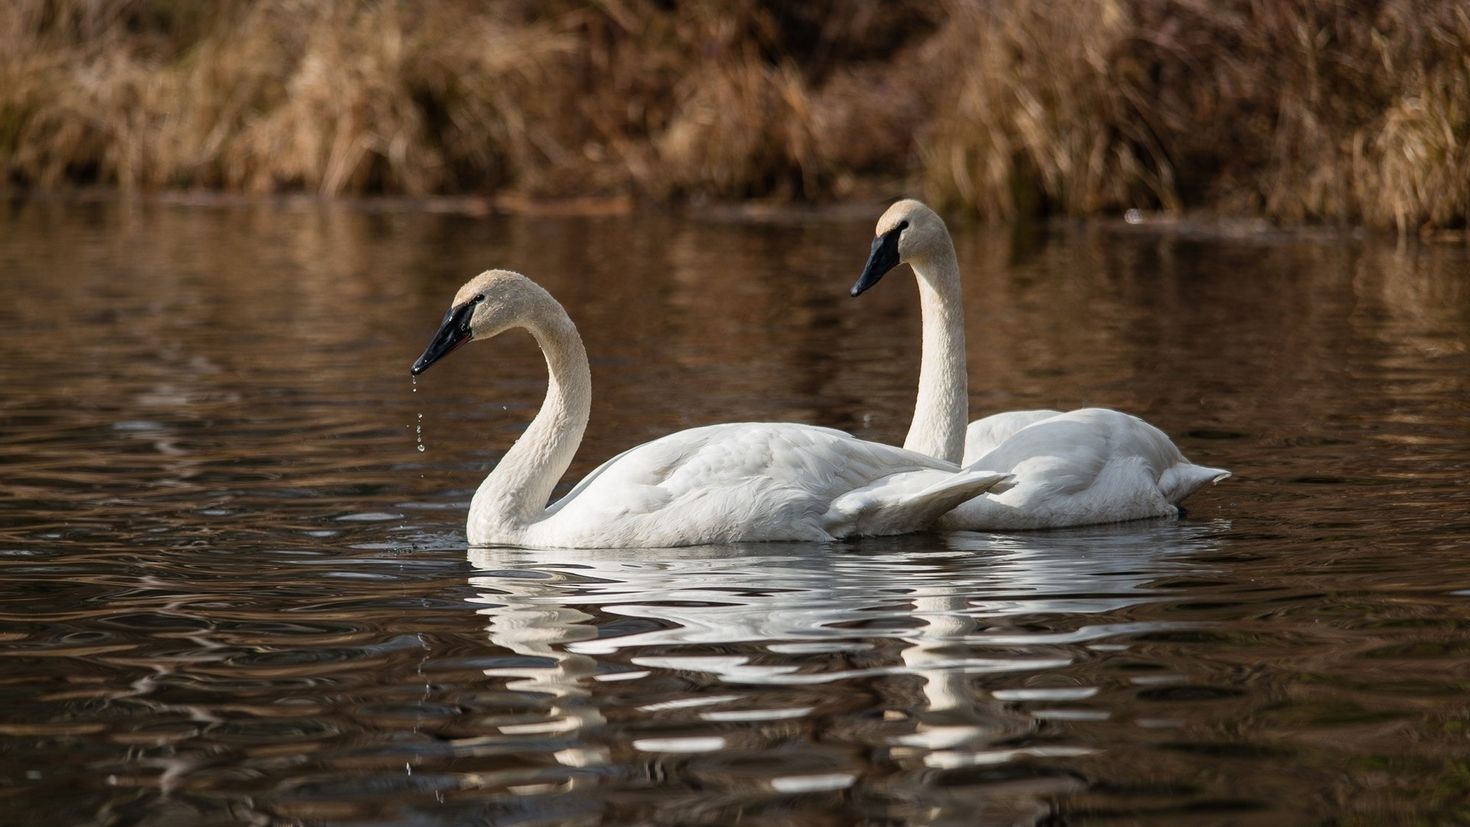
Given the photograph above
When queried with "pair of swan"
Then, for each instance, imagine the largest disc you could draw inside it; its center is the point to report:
(746, 482)
(739, 482)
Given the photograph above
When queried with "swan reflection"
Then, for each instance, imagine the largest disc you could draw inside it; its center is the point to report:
(942, 634)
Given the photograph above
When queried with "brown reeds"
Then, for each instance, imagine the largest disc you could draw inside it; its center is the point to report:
(1321, 110)
(1314, 111)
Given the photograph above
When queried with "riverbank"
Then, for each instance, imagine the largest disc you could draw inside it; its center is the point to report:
(1321, 113)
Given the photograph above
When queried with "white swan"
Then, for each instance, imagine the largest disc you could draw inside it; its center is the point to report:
(1082, 467)
(717, 484)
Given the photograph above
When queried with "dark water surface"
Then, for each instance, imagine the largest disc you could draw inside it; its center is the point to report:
(233, 592)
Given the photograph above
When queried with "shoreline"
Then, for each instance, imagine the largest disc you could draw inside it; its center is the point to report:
(1199, 224)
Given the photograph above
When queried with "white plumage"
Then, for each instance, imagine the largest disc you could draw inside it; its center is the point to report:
(718, 484)
(741, 482)
(1082, 467)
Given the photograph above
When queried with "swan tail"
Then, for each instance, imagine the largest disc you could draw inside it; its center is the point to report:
(907, 502)
(1185, 478)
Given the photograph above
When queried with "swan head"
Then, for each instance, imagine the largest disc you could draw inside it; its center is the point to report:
(906, 232)
(486, 306)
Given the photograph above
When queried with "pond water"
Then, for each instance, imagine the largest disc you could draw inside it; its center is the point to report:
(232, 590)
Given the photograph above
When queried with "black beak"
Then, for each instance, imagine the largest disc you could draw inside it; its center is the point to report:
(882, 258)
(453, 332)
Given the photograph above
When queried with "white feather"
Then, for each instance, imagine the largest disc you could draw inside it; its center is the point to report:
(745, 482)
(1082, 467)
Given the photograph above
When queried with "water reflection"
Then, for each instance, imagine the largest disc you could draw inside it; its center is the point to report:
(722, 646)
(232, 590)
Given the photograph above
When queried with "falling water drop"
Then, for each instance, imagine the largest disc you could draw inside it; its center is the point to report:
(418, 429)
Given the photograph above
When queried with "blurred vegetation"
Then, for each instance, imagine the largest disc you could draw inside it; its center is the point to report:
(1339, 111)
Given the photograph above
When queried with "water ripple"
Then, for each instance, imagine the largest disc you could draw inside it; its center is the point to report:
(233, 590)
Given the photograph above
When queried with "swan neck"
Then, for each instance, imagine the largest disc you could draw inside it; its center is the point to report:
(516, 491)
(942, 411)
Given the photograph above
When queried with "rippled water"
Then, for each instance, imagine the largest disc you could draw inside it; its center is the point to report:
(233, 592)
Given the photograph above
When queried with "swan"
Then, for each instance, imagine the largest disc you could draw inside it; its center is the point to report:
(1082, 467)
(717, 484)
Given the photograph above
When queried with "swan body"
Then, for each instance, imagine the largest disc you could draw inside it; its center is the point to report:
(738, 482)
(1081, 467)
(727, 483)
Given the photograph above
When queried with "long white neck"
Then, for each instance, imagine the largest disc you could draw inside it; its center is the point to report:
(514, 495)
(943, 407)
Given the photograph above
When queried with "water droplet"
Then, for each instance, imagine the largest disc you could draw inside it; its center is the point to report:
(418, 433)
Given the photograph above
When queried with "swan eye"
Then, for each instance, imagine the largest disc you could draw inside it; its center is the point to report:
(469, 311)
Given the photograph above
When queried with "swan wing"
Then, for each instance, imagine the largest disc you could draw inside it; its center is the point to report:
(739, 482)
(1061, 453)
(910, 501)
(1119, 437)
(1092, 465)
(818, 460)
(984, 435)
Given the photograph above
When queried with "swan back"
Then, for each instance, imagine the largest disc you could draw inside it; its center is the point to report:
(1092, 465)
(754, 481)
(1081, 442)
(984, 435)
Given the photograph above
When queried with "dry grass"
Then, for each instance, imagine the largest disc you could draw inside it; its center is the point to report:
(268, 96)
(1038, 125)
(1312, 111)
